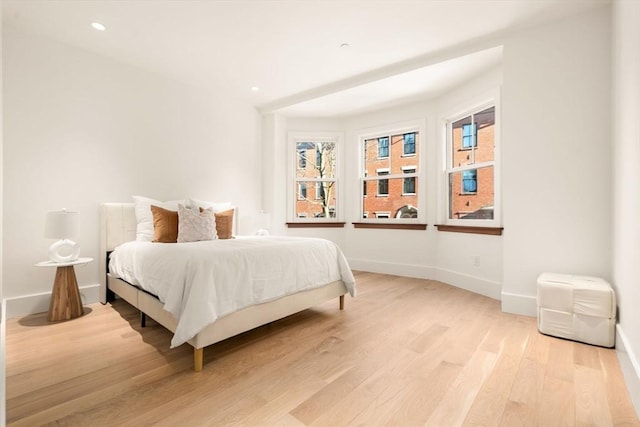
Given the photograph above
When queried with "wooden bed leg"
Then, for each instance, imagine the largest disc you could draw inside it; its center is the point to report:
(341, 302)
(198, 355)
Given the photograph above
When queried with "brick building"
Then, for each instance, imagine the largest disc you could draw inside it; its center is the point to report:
(472, 189)
(315, 180)
(395, 156)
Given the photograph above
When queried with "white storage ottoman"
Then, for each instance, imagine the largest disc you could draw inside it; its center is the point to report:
(579, 308)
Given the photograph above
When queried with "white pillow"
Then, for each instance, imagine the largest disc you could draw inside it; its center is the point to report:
(144, 217)
(217, 206)
(194, 226)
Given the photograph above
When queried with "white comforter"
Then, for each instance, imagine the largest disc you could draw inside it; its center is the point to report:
(201, 281)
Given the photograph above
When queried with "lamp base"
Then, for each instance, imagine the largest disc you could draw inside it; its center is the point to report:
(64, 250)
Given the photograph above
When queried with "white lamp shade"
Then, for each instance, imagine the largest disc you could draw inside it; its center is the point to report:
(61, 225)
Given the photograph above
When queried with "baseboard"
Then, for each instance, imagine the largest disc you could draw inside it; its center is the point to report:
(3, 363)
(474, 284)
(404, 270)
(488, 288)
(525, 305)
(630, 366)
(39, 303)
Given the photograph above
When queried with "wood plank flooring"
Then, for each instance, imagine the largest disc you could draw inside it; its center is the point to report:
(405, 352)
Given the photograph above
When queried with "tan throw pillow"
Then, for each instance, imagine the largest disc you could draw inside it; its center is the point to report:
(165, 225)
(194, 226)
(224, 224)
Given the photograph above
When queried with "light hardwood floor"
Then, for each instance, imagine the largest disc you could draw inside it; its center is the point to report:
(405, 352)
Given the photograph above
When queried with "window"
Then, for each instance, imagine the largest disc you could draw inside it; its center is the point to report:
(471, 168)
(302, 158)
(409, 144)
(391, 173)
(383, 184)
(409, 184)
(302, 190)
(314, 177)
(470, 181)
(383, 147)
(469, 135)
(407, 212)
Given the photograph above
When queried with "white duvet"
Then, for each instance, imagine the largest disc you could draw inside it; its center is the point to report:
(201, 281)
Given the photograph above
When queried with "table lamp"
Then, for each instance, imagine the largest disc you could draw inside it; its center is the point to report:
(62, 225)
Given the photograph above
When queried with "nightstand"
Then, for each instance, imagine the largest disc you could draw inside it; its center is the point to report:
(66, 303)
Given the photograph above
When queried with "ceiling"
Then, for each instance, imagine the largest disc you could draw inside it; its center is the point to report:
(291, 49)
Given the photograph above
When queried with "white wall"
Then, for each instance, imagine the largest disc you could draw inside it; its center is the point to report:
(625, 254)
(426, 254)
(556, 172)
(3, 403)
(555, 157)
(82, 129)
(457, 252)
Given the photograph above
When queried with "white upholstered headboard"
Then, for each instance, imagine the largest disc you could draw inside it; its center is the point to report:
(117, 226)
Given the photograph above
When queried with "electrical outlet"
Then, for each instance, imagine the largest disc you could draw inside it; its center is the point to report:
(476, 260)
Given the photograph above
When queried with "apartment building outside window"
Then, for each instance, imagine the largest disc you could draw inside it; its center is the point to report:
(391, 173)
(314, 195)
(471, 169)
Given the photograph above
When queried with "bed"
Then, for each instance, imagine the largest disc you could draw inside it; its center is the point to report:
(118, 231)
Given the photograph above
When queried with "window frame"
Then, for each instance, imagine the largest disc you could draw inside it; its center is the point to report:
(293, 138)
(447, 167)
(417, 126)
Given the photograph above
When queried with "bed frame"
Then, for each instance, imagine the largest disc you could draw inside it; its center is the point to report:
(118, 225)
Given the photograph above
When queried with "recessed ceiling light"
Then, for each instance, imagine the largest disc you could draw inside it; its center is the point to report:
(255, 88)
(344, 45)
(98, 26)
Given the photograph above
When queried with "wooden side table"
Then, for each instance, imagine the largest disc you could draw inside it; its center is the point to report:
(66, 303)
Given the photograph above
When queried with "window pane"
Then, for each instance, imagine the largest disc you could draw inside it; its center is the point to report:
(470, 181)
(302, 190)
(409, 186)
(409, 143)
(395, 203)
(471, 194)
(469, 135)
(485, 122)
(383, 187)
(461, 134)
(391, 197)
(371, 160)
(315, 199)
(383, 147)
(302, 158)
(316, 160)
(473, 138)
